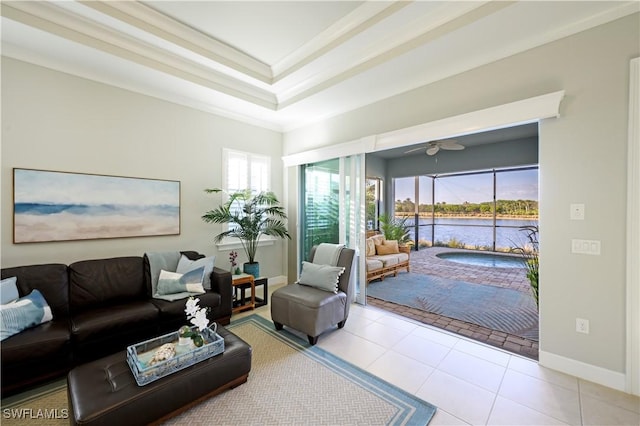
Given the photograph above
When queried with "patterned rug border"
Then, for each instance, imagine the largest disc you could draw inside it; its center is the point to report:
(411, 409)
(34, 394)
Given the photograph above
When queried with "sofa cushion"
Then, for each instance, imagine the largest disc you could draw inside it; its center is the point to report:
(393, 244)
(175, 283)
(113, 320)
(384, 249)
(26, 312)
(9, 290)
(378, 239)
(34, 356)
(187, 265)
(373, 264)
(393, 259)
(155, 262)
(52, 280)
(370, 248)
(175, 310)
(41, 342)
(95, 283)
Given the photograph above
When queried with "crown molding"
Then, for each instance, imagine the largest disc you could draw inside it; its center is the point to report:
(150, 20)
(422, 31)
(497, 117)
(362, 18)
(378, 50)
(56, 20)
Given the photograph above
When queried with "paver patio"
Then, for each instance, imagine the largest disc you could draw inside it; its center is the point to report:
(426, 262)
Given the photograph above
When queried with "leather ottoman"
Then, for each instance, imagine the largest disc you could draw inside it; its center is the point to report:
(104, 392)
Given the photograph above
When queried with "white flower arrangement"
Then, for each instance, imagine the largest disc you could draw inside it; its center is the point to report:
(196, 316)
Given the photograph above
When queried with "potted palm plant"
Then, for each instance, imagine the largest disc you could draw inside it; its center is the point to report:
(530, 255)
(396, 229)
(249, 217)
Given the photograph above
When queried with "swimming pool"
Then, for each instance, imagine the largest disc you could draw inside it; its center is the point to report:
(491, 260)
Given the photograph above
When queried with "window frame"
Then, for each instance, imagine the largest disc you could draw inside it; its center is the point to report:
(252, 162)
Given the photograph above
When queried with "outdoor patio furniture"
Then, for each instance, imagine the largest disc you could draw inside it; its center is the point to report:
(385, 257)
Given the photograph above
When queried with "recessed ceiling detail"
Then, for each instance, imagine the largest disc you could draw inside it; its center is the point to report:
(283, 64)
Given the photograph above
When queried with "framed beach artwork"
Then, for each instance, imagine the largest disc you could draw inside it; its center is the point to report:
(61, 206)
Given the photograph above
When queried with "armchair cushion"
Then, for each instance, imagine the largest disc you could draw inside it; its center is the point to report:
(322, 277)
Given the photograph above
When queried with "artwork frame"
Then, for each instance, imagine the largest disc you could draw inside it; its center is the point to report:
(68, 206)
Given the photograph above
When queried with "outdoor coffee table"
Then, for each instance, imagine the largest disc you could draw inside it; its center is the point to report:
(104, 392)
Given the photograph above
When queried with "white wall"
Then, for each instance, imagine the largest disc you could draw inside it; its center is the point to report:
(582, 157)
(54, 121)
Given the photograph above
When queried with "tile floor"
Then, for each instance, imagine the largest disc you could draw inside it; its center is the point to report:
(470, 382)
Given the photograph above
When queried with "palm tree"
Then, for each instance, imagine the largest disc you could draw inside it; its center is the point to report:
(250, 217)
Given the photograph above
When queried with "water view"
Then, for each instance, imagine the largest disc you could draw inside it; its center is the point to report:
(472, 233)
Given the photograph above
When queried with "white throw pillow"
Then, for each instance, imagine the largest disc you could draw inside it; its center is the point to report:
(173, 282)
(187, 265)
(26, 312)
(322, 277)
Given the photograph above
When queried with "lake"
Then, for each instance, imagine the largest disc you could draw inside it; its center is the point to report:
(474, 231)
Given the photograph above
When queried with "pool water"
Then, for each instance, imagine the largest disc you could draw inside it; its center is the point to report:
(484, 259)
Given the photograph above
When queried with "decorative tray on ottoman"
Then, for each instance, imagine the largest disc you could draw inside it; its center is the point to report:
(139, 355)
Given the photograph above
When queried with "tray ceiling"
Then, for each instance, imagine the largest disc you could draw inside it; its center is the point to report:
(284, 64)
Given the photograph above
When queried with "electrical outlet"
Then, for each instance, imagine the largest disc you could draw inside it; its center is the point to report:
(582, 325)
(576, 211)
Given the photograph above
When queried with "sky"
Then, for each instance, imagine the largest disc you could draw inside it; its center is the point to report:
(516, 185)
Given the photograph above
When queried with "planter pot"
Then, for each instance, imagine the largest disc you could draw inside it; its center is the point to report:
(252, 269)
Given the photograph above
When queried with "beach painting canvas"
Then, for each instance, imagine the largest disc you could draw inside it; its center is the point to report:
(61, 206)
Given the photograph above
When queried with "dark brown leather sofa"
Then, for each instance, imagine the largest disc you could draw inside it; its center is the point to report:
(99, 307)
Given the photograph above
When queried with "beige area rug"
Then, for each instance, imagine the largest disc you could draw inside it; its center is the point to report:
(290, 383)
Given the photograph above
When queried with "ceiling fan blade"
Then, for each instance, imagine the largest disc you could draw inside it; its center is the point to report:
(432, 150)
(451, 145)
(415, 149)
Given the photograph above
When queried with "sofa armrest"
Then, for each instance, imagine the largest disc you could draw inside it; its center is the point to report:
(221, 283)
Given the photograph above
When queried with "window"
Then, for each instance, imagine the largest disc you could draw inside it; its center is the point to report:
(480, 210)
(243, 170)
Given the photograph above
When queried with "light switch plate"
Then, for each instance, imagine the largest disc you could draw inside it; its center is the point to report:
(585, 247)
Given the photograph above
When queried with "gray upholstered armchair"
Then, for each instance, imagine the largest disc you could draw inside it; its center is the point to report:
(311, 310)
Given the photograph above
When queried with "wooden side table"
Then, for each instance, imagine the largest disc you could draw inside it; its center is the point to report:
(260, 301)
(238, 280)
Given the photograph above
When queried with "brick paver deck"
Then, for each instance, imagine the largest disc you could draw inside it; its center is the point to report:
(426, 262)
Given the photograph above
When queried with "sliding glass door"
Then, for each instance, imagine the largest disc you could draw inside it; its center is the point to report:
(332, 208)
(320, 218)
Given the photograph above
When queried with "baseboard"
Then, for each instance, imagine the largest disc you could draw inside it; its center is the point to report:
(280, 279)
(592, 373)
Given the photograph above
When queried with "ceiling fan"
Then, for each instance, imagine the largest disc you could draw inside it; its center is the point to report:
(434, 146)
